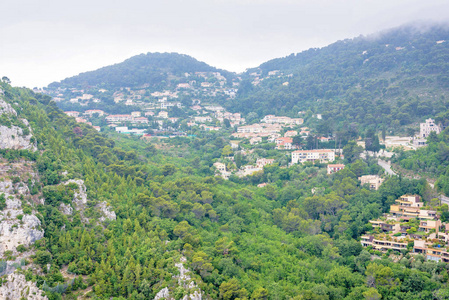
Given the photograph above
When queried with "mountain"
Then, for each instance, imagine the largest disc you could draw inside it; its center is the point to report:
(388, 79)
(152, 69)
(101, 216)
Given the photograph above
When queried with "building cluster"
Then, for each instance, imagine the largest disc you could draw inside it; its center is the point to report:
(246, 170)
(272, 119)
(257, 77)
(271, 127)
(410, 227)
(332, 168)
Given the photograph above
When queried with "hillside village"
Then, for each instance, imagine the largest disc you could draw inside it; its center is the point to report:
(410, 227)
(180, 111)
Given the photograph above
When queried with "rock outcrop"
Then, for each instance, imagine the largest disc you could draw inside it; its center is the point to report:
(17, 228)
(5, 108)
(163, 294)
(184, 280)
(12, 137)
(108, 213)
(16, 287)
(80, 197)
(79, 203)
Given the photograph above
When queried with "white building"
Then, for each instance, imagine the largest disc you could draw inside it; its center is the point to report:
(74, 114)
(373, 181)
(320, 155)
(427, 127)
(90, 112)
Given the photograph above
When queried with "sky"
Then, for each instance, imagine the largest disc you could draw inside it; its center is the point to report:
(42, 41)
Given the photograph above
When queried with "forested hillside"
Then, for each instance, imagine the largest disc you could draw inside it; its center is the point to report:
(389, 79)
(295, 238)
(151, 69)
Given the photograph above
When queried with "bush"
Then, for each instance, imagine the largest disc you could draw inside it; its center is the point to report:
(42, 257)
(21, 248)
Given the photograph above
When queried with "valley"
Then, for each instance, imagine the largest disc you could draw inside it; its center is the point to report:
(162, 177)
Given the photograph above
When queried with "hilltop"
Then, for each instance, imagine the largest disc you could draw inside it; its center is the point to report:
(150, 70)
(388, 79)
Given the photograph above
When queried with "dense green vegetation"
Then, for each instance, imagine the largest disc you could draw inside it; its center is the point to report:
(240, 241)
(387, 80)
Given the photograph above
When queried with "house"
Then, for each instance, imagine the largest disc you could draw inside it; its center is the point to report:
(284, 143)
(119, 118)
(290, 133)
(209, 128)
(419, 142)
(141, 120)
(163, 114)
(220, 166)
(374, 181)
(91, 112)
(81, 120)
(203, 119)
(324, 139)
(427, 127)
(320, 155)
(74, 114)
(206, 84)
(261, 162)
(332, 168)
(384, 244)
(255, 140)
(183, 86)
(234, 144)
(136, 114)
(283, 120)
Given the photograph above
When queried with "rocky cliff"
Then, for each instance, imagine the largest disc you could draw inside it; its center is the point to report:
(79, 203)
(11, 135)
(185, 281)
(16, 287)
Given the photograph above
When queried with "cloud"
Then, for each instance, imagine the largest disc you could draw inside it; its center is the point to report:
(57, 39)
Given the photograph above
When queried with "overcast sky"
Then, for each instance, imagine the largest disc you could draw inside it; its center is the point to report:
(42, 41)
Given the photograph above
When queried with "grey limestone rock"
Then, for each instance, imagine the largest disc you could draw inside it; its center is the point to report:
(16, 287)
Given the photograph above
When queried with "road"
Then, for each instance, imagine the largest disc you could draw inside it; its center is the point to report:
(444, 199)
(386, 165)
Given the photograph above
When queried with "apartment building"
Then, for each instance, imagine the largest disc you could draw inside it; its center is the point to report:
(320, 155)
(427, 127)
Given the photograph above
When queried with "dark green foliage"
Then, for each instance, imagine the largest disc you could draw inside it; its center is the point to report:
(2, 201)
(54, 195)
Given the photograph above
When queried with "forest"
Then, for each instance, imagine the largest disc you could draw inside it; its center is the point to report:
(295, 238)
